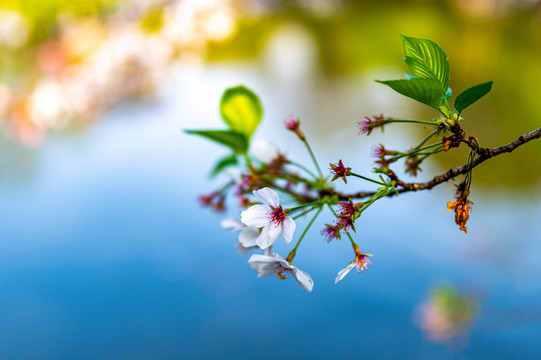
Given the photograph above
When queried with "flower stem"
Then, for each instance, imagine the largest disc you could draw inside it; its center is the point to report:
(303, 213)
(304, 205)
(367, 179)
(300, 166)
(380, 194)
(416, 151)
(312, 156)
(293, 252)
(391, 120)
(426, 139)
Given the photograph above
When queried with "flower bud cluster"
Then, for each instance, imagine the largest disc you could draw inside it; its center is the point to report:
(345, 220)
(215, 200)
(340, 171)
(369, 123)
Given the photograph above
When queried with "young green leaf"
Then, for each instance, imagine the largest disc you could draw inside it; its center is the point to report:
(427, 91)
(471, 95)
(426, 60)
(241, 110)
(223, 163)
(238, 142)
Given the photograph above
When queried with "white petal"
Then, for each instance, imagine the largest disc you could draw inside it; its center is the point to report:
(344, 271)
(248, 236)
(268, 251)
(269, 235)
(280, 259)
(263, 264)
(233, 224)
(268, 196)
(289, 228)
(264, 151)
(256, 216)
(304, 280)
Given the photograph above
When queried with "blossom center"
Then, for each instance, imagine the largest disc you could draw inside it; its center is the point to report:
(283, 272)
(277, 215)
(362, 262)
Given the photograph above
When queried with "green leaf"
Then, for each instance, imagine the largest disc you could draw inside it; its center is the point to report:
(471, 95)
(236, 141)
(445, 111)
(223, 163)
(241, 110)
(427, 91)
(426, 60)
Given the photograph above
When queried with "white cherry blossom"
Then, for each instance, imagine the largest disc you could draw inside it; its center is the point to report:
(270, 217)
(274, 264)
(248, 234)
(361, 261)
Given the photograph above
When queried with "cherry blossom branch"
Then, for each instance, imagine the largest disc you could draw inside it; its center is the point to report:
(484, 154)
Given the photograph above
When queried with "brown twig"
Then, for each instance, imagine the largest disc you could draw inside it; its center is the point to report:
(484, 154)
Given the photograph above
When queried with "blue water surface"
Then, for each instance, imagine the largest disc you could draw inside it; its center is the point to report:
(105, 254)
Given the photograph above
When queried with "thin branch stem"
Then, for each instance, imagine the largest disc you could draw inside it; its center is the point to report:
(305, 231)
(303, 213)
(312, 156)
(484, 154)
(304, 205)
(300, 166)
(426, 139)
(367, 179)
(392, 120)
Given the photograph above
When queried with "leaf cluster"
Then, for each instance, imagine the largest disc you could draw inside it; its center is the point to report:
(429, 84)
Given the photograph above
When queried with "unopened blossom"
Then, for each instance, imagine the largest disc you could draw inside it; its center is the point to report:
(412, 165)
(292, 123)
(349, 209)
(346, 220)
(271, 217)
(378, 151)
(214, 200)
(361, 262)
(248, 234)
(331, 232)
(273, 264)
(340, 171)
(370, 123)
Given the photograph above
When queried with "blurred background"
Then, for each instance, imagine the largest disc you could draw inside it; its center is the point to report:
(105, 252)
